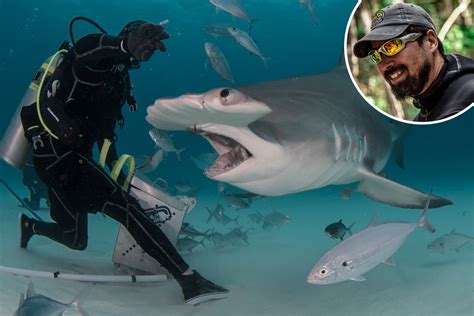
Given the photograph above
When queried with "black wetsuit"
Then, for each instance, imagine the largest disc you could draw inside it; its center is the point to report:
(82, 108)
(37, 188)
(450, 93)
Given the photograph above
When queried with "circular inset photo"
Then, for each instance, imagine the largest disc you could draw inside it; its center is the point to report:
(413, 61)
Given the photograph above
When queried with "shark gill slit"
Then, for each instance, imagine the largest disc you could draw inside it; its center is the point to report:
(338, 143)
(349, 146)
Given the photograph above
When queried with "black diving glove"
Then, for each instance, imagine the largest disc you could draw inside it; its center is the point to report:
(143, 42)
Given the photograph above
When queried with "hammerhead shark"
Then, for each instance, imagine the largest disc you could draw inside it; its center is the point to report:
(286, 136)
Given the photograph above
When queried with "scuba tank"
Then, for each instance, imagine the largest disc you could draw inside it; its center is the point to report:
(14, 147)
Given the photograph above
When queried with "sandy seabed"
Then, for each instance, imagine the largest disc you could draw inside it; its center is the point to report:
(268, 277)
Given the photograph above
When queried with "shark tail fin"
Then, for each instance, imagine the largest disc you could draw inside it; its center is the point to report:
(386, 191)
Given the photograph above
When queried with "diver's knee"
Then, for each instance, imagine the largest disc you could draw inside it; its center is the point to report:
(80, 244)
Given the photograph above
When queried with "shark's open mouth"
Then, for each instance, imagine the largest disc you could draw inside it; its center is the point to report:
(231, 153)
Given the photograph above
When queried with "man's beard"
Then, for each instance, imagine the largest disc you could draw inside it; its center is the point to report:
(413, 84)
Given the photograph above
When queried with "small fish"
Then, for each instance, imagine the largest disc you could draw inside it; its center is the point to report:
(218, 30)
(185, 188)
(221, 187)
(163, 140)
(188, 244)
(235, 202)
(40, 305)
(226, 220)
(151, 163)
(451, 241)
(233, 7)
(247, 42)
(230, 239)
(203, 161)
(363, 251)
(310, 7)
(338, 230)
(346, 194)
(256, 217)
(189, 230)
(275, 219)
(218, 61)
(217, 213)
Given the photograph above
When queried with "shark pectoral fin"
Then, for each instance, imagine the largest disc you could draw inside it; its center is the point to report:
(386, 191)
(389, 261)
(358, 278)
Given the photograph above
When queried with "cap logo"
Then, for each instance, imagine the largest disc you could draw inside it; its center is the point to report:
(378, 17)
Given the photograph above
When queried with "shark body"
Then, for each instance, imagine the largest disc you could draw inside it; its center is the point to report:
(292, 135)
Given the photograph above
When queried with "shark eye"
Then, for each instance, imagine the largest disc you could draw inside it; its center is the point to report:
(229, 97)
(323, 272)
(225, 93)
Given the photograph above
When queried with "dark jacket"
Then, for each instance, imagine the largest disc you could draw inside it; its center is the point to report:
(450, 93)
(94, 84)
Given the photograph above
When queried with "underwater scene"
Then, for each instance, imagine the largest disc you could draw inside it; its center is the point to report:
(255, 155)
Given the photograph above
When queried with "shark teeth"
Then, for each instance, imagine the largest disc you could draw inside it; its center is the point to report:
(231, 154)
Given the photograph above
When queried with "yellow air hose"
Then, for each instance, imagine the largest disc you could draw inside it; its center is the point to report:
(38, 93)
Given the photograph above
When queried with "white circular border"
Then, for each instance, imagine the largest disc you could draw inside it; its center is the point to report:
(367, 100)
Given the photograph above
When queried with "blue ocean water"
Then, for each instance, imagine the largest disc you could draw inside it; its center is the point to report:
(267, 277)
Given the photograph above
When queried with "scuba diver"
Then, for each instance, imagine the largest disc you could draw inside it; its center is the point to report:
(78, 107)
(37, 188)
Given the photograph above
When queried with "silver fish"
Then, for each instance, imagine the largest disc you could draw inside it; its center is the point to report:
(256, 217)
(218, 61)
(189, 230)
(275, 219)
(188, 244)
(235, 202)
(220, 185)
(218, 30)
(346, 194)
(363, 251)
(310, 7)
(233, 7)
(247, 42)
(186, 188)
(40, 305)
(151, 163)
(451, 241)
(163, 140)
(217, 213)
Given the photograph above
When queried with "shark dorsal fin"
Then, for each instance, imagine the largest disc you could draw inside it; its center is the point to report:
(340, 221)
(31, 290)
(373, 220)
(453, 231)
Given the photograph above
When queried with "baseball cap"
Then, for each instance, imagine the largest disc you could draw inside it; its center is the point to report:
(390, 22)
